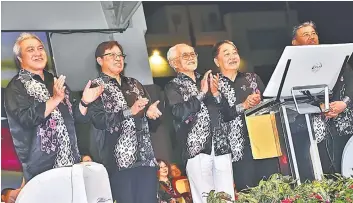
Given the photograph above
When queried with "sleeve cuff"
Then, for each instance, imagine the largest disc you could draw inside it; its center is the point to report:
(40, 110)
(239, 108)
(346, 100)
(201, 96)
(127, 113)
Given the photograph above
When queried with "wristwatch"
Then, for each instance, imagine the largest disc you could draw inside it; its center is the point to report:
(346, 100)
(84, 104)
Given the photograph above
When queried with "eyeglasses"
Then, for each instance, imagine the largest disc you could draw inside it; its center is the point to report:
(186, 56)
(114, 55)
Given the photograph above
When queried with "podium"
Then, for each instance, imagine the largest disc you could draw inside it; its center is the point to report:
(86, 182)
(303, 78)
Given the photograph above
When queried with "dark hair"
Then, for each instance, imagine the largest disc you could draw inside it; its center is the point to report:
(105, 46)
(85, 154)
(215, 48)
(4, 191)
(305, 24)
(102, 47)
(159, 161)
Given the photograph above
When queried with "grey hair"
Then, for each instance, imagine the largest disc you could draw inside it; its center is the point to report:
(23, 36)
(305, 24)
(171, 54)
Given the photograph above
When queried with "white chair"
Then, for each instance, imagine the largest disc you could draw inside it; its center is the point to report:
(86, 182)
(347, 163)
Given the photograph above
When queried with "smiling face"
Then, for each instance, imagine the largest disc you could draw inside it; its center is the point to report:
(112, 61)
(227, 57)
(32, 55)
(306, 35)
(185, 59)
(175, 171)
(163, 170)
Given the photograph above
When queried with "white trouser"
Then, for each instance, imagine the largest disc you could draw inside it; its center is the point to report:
(209, 172)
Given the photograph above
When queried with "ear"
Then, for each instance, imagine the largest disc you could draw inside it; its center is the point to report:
(99, 61)
(173, 63)
(215, 60)
(294, 42)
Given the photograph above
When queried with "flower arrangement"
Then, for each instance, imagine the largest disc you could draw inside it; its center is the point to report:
(282, 189)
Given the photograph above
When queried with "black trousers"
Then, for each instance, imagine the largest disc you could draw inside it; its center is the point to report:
(135, 185)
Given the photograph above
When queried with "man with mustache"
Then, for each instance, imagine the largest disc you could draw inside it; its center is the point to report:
(334, 128)
(123, 113)
(41, 111)
(195, 104)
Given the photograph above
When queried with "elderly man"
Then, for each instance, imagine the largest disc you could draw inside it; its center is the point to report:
(123, 112)
(195, 104)
(334, 131)
(242, 91)
(41, 111)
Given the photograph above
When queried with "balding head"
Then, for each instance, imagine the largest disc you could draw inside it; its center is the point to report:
(182, 57)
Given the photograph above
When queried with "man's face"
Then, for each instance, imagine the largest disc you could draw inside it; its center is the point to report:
(186, 59)
(228, 57)
(306, 36)
(112, 61)
(33, 56)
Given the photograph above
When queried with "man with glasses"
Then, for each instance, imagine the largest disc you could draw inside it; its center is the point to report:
(305, 34)
(195, 104)
(121, 115)
(334, 128)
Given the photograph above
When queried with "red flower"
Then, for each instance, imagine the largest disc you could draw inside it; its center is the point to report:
(317, 196)
(351, 187)
(286, 201)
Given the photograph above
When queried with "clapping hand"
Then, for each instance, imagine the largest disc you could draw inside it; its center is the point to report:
(139, 105)
(91, 94)
(214, 80)
(153, 111)
(59, 88)
(252, 100)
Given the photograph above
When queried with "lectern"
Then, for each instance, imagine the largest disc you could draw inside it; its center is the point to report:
(303, 79)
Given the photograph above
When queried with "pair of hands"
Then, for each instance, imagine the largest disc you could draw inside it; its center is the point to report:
(336, 108)
(152, 111)
(89, 94)
(212, 85)
(252, 100)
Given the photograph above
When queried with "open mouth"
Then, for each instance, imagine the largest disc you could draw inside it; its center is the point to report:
(233, 62)
(38, 60)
